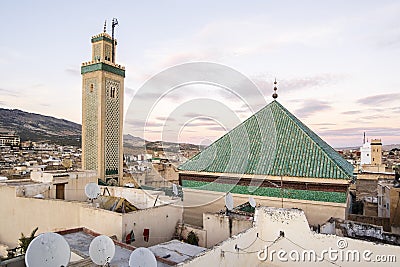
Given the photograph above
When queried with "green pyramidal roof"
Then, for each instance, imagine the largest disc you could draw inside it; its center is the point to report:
(271, 142)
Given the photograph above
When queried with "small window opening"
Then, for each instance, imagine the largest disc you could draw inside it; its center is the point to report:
(112, 92)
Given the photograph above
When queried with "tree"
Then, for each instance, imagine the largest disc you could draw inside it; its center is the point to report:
(192, 238)
(24, 240)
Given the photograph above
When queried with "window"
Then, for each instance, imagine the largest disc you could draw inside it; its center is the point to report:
(112, 92)
(91, 88)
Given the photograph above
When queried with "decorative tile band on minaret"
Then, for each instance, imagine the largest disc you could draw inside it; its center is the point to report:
(102, 110)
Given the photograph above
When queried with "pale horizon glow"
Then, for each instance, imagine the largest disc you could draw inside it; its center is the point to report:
(336, 62)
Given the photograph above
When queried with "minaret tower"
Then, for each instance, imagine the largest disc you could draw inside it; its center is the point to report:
(102, 109)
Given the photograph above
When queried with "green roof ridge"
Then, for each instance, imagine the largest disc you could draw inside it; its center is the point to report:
(292, 143)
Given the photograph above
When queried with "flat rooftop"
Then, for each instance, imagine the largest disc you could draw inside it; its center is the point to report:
(176, 251)
(18, 182)
(79, 241)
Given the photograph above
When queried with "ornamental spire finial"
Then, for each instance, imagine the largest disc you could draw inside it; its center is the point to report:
(275, 95)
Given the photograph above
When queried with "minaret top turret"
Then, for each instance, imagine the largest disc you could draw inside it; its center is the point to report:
(103, 53)
(102, 47)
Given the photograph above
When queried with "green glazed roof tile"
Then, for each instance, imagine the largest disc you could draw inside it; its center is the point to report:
(271, 142)
(335, 197)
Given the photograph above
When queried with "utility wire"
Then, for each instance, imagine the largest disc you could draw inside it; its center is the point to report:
(294, 243)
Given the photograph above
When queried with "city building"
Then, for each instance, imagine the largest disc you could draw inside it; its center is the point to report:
(371, 156)
(389, 204)
(102, 110)
(274, 157)
(9, 139)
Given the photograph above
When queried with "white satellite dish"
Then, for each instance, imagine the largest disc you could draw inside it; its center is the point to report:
(92, 190)
(252, 202)
(175, 189)
(229, 201)
(48, 250)
(102, 250)
(142, 257)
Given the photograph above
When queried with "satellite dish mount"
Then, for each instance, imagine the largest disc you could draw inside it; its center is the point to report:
(102, 250)
(228, 202)
(92, 191)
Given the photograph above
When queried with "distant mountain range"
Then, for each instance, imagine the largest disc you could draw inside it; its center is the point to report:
(384, 147)
(37, 127)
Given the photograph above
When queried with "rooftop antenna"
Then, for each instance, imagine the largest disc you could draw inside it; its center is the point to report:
(48, 250)
(252, 202)
(364, 138)
(102, 250)
(275, 95)
(228, 202)
(105, 26)
(142, 257)
(92, 191)
(113, 24)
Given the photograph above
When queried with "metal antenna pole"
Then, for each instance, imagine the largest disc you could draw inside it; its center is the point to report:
(113, 24)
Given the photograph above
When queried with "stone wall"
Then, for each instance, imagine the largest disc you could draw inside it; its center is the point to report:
(375, 220)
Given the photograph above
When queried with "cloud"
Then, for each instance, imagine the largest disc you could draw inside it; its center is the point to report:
(7, 92)
(311, 107)
(73, 71)
(351, 112)
(391, 41)
(265, 81)
(323, 124)
(374, 117)
(195, 115)
(359, 131)
(201, 123)
(147, 96)
(217, 129)
(376, 100)
(141, 124)
(129, 91)
(165, 119)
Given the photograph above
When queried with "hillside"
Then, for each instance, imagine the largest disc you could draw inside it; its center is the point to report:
(37, 127)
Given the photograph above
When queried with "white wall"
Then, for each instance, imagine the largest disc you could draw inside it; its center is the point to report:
(298, 238)
(75, 188)
(75, 183)
(161, 220)
(23, 214)
(20, 214)
(365, 154)
(217, 227)
(197, 202)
